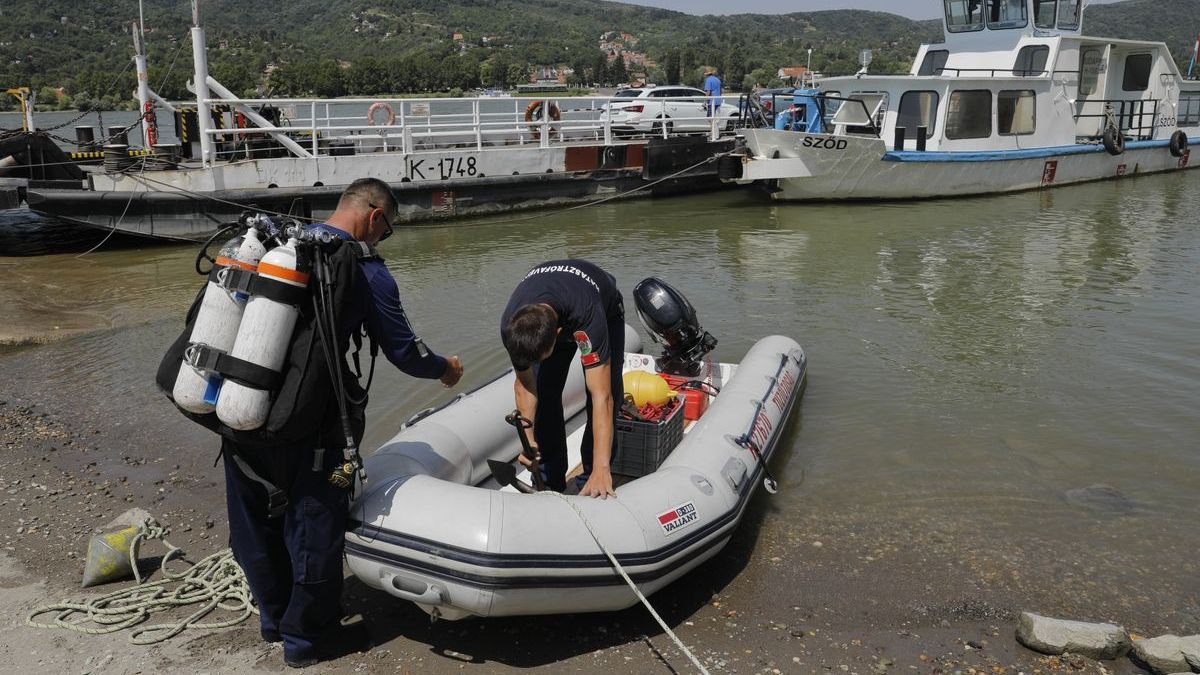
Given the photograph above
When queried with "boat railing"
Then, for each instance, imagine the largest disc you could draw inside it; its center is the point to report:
(1137, 119)
(323, 127)
(998, 72)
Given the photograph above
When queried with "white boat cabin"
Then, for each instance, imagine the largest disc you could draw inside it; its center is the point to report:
(1014, 75)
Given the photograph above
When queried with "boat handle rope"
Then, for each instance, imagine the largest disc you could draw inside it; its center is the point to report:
(625, 575)
(746, 440)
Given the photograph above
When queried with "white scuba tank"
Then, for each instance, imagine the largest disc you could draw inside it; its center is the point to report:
(216, 324)
(262, 339)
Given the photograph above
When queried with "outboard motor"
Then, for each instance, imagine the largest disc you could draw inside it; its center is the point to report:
(671, 321)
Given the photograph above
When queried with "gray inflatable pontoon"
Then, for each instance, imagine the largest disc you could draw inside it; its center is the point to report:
(433, 527)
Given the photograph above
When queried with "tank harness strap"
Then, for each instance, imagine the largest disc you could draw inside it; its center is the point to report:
(363, 250)
(277, 500)
(204, 357)
(251, 283)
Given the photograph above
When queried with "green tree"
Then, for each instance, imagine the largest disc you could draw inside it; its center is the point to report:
(734, 71)
(327, 79)
(617, 73)
(600, 69)
(518, 73)
(671, 69)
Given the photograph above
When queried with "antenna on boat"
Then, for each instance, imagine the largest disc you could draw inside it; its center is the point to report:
(864, 58)
(1195, 56)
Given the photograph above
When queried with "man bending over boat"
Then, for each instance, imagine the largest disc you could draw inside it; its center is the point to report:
(559, 308)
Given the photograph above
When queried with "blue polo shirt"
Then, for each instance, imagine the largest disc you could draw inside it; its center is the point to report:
(712, 85)
(377, 305)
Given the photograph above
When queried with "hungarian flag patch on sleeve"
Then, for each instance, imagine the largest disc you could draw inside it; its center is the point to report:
(587, 356)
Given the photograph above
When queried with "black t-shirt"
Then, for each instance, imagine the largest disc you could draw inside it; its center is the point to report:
(585, 298)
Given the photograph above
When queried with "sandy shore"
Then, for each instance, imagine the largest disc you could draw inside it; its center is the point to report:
(872, 591)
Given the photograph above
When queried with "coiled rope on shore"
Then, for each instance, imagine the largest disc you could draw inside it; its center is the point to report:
(215, 582)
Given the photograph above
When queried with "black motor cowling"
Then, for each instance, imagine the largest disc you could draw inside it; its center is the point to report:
(671, 321)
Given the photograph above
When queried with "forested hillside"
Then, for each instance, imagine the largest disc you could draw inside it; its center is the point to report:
(365, 47)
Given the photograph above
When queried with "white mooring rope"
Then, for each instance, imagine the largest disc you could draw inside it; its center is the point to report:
(624, 575)
(216, 582)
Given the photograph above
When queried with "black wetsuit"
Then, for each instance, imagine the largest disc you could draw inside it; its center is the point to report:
(591, 318)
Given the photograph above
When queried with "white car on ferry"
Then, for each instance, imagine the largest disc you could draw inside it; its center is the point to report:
(665, 109)
(1015, 98)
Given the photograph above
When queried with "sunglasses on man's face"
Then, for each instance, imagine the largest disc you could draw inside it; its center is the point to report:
(386, 223)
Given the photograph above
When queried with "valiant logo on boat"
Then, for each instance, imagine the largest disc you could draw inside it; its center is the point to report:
(678, 518)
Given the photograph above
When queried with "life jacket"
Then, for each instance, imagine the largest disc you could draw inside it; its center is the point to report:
(304, 409)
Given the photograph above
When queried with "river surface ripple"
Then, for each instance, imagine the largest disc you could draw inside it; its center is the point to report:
(983, 360)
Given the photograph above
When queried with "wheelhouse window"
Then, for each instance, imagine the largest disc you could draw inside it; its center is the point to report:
(833, 103)
(964, 15)
(969, 115)
(1044, 12)
(1005, 14)
(934, 62)
(917, 109)
(1137, 72)
(1189, 110)
(1089, 70)
(1031, 61)
(1068, 14)
(1016, 112)
(862, 112)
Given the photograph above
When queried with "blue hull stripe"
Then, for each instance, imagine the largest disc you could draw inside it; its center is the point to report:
(1009, 155)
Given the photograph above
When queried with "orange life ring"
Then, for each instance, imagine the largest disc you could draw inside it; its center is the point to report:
(376, 107)
(239, 121)
(533, 115)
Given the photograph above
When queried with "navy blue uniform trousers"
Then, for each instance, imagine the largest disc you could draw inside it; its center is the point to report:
(293, 563)
(549, 427)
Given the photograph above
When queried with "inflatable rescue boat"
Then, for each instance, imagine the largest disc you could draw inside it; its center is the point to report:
(437, 526)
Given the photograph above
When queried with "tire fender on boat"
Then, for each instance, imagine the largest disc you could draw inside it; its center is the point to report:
(376, 107)
(1114, 141)
(1179, 143)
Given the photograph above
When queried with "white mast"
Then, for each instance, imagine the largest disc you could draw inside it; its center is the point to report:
(143, 84)
(200, 86)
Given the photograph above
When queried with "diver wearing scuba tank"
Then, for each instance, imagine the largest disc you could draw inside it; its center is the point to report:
(294, 564)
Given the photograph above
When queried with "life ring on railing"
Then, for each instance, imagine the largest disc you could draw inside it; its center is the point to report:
(1179, 143)
(151, 124)
(533, 115)
(239, 121)
(376, 107)
(1114, 141)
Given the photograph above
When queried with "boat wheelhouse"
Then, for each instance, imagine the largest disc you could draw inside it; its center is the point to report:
(1015, 97)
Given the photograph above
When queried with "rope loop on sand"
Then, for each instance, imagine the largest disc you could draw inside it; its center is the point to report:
(215, 582)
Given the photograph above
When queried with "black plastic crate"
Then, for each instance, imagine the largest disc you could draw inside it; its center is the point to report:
(642, 446)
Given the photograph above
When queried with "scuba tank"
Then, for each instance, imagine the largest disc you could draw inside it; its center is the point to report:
(216, 323)
(262, 340)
